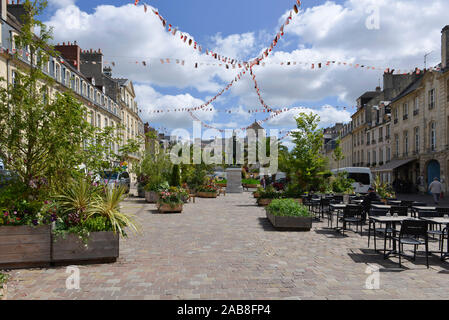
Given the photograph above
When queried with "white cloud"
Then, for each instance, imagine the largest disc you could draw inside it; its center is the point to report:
(150, 100)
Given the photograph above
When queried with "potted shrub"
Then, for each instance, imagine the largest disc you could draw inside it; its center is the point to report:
(221, 183)
(267, 195)
(170, 202)
(207, 191)
(152, 191)
(3, 286)
(89, 223)
(250, 183)
(256, 193)
(383, 190)
(287, 214)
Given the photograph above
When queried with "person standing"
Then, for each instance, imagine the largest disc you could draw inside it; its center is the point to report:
(435, 189)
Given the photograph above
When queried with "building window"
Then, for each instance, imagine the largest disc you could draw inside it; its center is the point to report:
(381, 156)
(99, 121)
(406, 143)
(388, 132)
(405, 111)
(368, 158)
(388, 154)
(417, 139)
(433, 136)
(58, 73)
(416, 106)
(396, 140)
(92, 118)
(52, 68)
(374, 158)
(431, 99)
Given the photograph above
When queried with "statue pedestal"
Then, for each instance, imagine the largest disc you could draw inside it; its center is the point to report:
(234, 180)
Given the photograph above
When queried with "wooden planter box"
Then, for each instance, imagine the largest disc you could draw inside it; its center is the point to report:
(250, 185)
(151, 196)
(206, 194)
(166, 208)
(101, 247)
(25, 246)
(299, 200)
(256, 195)
(290, 223)
(263, 202)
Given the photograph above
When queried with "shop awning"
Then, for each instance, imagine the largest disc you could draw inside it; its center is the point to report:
(390, 166)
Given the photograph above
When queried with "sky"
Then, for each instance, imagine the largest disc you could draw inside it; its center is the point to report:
(343, 31)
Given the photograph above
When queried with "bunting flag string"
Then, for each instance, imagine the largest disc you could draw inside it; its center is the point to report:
(251, 111)
(227, 60)
(312, 65)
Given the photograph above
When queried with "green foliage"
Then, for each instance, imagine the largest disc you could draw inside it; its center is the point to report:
(196, 175)
(172, 198)
(155, 169)
(287, 208)
(222, 181)
(3, 280)
(293, 191)
(383, 189)
(176, 176)
(337, 154)
(341, 184)
(307, 162)
(108, 206)
(270, 193)
(207, 188)
(250, 181)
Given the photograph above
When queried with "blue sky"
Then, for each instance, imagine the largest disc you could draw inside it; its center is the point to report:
(323, 30)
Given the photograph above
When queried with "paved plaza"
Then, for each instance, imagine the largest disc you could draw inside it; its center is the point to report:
(225, 248)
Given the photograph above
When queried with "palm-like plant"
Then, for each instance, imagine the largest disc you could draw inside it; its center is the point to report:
(109, 207)
(76, 199)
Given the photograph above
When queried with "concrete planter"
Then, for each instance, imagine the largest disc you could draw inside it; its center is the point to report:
(263, 202)
(290, 223)
(25, 246)
(206, 194)
(101, 247)
(151, 196)
(166, 208)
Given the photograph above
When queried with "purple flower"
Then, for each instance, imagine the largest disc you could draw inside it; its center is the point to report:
(35, 222)
(15, 212)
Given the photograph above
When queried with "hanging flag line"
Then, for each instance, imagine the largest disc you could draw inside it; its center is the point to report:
(303, 64)
(215, 55)
(251, 111)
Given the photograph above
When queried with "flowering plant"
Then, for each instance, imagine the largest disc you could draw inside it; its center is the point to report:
(208, 188)
(172, 198)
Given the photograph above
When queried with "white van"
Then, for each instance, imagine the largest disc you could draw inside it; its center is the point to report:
(362, 177)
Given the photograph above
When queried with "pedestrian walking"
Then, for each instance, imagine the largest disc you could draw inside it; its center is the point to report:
(435, 189)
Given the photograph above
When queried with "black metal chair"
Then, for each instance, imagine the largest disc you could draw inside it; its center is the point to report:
(445, 236)
(339, 199)
(412, 232)
(399, 210)
(376, 213)
(443, 211)
(434, 228)
(325, 206)
(352, 214)
(407, 203)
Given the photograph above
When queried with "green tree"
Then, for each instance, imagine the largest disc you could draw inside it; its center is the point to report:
(39, 137)
(175, 177)
(307, 162)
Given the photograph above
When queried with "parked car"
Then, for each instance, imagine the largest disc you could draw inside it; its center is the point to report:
(111, 178)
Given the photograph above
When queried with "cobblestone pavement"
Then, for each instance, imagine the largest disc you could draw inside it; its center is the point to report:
(225, 248)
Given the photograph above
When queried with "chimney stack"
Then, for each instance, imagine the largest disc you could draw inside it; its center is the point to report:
(70, 52)
(445, 47)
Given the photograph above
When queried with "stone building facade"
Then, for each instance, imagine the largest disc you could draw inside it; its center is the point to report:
(402, 131)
